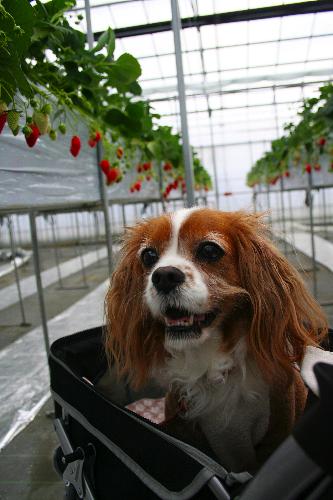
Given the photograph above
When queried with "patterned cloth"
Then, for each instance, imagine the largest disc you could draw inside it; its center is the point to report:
(152, 409)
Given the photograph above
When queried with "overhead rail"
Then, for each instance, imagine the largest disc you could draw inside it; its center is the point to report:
(292, 9)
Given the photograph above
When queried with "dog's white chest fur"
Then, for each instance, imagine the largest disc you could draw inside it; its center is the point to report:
(226, 394)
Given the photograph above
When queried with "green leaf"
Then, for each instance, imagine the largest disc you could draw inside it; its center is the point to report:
(108, 40)
(134, 88)
(124, 71)
(19, 24)
(115, 117)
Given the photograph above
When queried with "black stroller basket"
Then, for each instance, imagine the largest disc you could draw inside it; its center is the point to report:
(106, 450)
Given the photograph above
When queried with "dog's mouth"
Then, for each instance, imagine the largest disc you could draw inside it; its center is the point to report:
(181, 322)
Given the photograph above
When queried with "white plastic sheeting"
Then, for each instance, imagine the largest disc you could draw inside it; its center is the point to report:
(48, 175)
(24, 380)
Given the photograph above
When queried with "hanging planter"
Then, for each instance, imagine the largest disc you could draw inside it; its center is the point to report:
(306, 149)
(50, 82)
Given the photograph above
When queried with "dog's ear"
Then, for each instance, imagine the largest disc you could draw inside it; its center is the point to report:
(132, 340)
(285, 318)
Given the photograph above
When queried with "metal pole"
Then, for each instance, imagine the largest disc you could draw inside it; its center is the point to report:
(291, 212)
(102, 188)
(90, 35)
(34, 240)
(313, 247)
(187, 153)
(83, 271)
(123, 214)
(283, 213)
(325, 213)
(17, 277)
(97, 237)
(56, 253)
(254, 197)
(18, 229)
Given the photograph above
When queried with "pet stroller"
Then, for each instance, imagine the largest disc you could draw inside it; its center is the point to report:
(109, 452)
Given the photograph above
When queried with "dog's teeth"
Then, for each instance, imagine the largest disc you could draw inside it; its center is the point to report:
(186, 321)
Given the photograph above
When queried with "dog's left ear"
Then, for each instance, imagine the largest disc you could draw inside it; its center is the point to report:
(285, 318)
(132, 340)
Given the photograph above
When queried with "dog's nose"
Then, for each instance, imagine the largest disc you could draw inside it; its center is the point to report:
(167, 278)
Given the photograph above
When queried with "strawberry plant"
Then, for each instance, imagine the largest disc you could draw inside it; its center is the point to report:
(50, 81)
(302, 145)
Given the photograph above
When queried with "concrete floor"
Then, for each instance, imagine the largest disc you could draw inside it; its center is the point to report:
(26, 462)
(56, 298)
(26, 466)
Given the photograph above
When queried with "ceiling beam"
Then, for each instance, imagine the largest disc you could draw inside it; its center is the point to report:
(292, 9)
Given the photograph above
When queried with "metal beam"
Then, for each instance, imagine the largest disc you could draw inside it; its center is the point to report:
(102, 188)
(187, 152)
(226, 17)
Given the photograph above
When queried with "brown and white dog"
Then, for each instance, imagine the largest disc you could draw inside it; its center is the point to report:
(203, 301)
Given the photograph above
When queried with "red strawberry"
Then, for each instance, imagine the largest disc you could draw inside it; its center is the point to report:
(227, 193)
(317, 166)
(167, 166)
(206, 188)
(137, 186)
(287, 173)
(308, 168)
(139, 168)
(98, 136)
(75, 145)
(120, 152)
(148, 178)
(3, 119)
(105, 165)
(31, 139)
(112, 175)
(321, 141)
(132, 189)
(274, 180)
(92, 142)
(147, 166)
(331, 167)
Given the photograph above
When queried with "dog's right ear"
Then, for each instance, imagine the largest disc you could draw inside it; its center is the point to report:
(133, 341)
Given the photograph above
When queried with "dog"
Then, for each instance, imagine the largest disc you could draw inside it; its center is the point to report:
(203, 301)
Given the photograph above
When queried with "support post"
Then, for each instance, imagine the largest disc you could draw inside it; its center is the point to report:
(313, 246)
(35, 249)
(56, 253)
(17, 277)
(187, 153)
(102, 189)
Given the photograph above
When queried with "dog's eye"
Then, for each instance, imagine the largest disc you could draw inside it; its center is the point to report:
(149, 257)
(209, 251)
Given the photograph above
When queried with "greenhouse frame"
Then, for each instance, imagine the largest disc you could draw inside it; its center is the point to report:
(245, 91)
